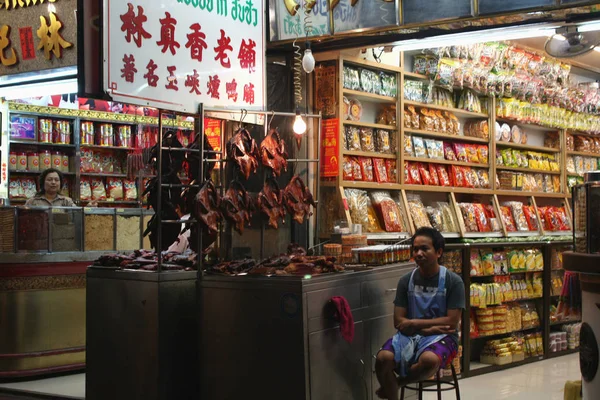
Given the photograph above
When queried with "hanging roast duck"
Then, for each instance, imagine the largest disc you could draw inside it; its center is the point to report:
(298, 199)
(270, 202)
(237, 206)
(242, 148)
(273, 152)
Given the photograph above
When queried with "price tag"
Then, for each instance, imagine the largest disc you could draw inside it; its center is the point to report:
(120, 210)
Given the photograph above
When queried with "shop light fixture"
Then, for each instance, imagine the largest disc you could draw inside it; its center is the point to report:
(299, 127)
(39, 89)
(466, 38)
(308, 61)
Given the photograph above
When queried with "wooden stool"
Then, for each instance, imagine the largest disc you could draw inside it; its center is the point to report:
(452, 385)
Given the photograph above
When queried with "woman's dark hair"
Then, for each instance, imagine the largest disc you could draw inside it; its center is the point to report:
(436, 237)
(43, 179)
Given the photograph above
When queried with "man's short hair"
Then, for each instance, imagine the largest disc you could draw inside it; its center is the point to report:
(436, 237)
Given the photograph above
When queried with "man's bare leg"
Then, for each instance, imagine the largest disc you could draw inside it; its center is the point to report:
(384, 368)
(427, 366)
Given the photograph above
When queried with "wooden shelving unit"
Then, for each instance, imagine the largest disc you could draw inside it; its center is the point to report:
(399, 188)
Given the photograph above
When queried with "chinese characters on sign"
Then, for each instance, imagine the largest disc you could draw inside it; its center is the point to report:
(199, 51)
(330, 147)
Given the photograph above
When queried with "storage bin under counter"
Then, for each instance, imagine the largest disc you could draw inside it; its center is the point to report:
(258, 322)
(42, 313)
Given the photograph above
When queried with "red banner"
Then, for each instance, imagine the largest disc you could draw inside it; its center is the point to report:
(212, 130)
(330, 146)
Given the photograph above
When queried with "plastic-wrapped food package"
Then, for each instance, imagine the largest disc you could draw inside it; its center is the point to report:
(457, 175)
(469, 216)
(507, 219)
(415, 119)
(383, 141)
(347, 169)
(115, 188)
(351, 79)
(85, 190)
(130, 188)
(358, 201)
(356, 169)
(531, 217)
(460, 151)
(29, 187)
(352, 138)
(419, 147)
(435, 149)
(433, 175)
(414, 177)
(435, 218)
(366, 139)
(392, 174)
(374, 225)
(424, 172)
(417, 211)
(471, 178)
(98, 189)
(448, 222)
(366, 165)
(380, 170)
(482, 222)
(426, 120)
(408, 147)
(443, 175)
(449, 153)
(388, 211)
(518, 215)
(472, 153)
(484, 179)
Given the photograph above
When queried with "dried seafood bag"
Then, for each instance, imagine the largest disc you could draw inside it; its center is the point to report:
(382, 141)
(356, 169)
(374, 224)
(358, 201)
(448, 222)
(130, 188)
(366, 165)
(507, 219)
(380, 170)
(391, 170)
(98, 189)
(469, 216)
(347, 169)
(531, 217)
(408, 146)
(352, 138)
(366, 140)
(388, 211)
(115, 189)
(433, 175)
(435, 149)
(435, 218)
(85, 189)
(419, 147)
(417, 211)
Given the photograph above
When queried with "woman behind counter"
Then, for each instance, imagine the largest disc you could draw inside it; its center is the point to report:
(51, 182)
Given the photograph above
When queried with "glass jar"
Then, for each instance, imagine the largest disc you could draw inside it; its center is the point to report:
(12, 161)
(22, 161)
(33, 161)
(45, 160)
(57, 160)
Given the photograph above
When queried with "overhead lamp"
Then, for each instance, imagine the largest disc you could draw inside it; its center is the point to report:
(308, 61)
(66, 86)
(589, 26)
(466, 38)
(299, 123)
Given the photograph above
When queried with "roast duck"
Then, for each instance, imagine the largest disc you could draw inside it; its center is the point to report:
(270, 202)
(237, 206)
(273, 153)
(295, 262)
(298, 199)
(242, 148)
(147, 260)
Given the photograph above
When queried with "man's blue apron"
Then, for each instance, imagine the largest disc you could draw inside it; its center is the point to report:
(421, 305)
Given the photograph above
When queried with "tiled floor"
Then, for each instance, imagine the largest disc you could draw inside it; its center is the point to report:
(542, 380)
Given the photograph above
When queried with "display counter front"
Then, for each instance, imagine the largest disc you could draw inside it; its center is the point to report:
(251, 324)
(45, 253)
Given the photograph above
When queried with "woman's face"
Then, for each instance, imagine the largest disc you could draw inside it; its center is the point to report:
(52, 183)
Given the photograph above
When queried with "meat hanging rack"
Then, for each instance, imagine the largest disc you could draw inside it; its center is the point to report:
(239, 116)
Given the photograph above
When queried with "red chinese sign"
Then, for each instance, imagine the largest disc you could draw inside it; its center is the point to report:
(190, 55)
(330, 145)
(212, 130)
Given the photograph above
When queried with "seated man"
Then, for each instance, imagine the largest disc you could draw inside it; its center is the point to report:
(429, 302)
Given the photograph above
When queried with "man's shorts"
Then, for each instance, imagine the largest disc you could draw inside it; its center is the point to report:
(446, 349)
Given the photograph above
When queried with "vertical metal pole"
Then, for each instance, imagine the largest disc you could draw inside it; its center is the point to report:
(317, 173)
(198, 227)
(159, 172)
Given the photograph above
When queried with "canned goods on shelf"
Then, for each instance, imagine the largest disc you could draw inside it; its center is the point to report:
(45, 159)
(22, 161)
(45, 130)
(56, 160)
(12, 161)
(33, 161)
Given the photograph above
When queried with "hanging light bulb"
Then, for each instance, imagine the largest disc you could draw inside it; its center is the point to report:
(308, 61)
(299, 124)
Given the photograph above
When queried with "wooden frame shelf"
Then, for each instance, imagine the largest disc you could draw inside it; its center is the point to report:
(353, 153)
(94, 146)
(456, 111)
(370, 185)
(582, 153)
(370, 125)
(527, 125)
(442, 135)
(366, 96)
(42, 144)
(530, 170)
(387, 235)
(501, 192)
(39, 172)
(528, 147)
(416, 76)
(436, 161)
(446, 189)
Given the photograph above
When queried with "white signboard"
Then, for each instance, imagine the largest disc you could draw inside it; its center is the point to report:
(176, 54)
